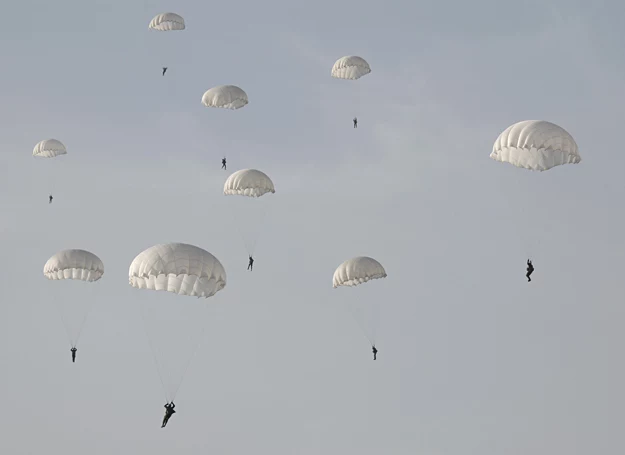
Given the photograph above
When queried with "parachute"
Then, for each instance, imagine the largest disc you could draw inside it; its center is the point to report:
(248, 182)
(174, 327)
(350, 67)
(49, 148)
(249, 213)
(225, 97)
(536, 145)
(167, 22)
(75, 265)
(355, 272)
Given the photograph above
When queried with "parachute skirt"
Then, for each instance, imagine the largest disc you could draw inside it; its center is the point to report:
(534, 159)
(74, 274)
(357, 281)
(190, 285)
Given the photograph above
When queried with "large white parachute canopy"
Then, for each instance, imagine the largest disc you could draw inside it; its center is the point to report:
(167, 22)
(356, 271)
(49, 148)
(536, 145)
(225, 97)
(350, 67)
(174, 325)
(74, 265)
(248, 182)
(179, 268)
(78, 265)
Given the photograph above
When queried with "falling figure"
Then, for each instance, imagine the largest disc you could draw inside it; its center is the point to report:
(169, 411)
(73, 354)
(223, 163)
(375, 352)
(530, 270)
(50, 199)
(355, 122)
(250, 265)
(164, 70)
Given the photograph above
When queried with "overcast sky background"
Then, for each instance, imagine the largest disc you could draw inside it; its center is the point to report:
(473, 359)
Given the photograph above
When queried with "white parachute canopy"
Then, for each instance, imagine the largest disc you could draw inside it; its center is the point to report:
(248, 182)
(167, 22)
(174, 326)
(225, 97)
(74, 265)
(365, 306)
(49, 148)
(77, 265)
(350, 67)
(356, 271)
(536, 145)
(179, 268)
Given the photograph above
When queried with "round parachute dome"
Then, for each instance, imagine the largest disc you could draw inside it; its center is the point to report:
(356, 271)
(248, 182)
(74, 265)
(178, 268)
(225, 97)
(166, 22)
(49, 148)
(536, 145)
(350, 67)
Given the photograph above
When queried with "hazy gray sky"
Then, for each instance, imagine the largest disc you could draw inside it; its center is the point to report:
(473, 359)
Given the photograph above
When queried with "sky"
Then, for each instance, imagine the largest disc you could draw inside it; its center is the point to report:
(472, 359)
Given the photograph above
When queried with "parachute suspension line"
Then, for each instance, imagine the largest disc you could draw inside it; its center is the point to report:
(361, 325)
(170, 396)
(154, 352)
(73, 340)
(86, 315)
(520, 225)
(256, 219)
(258, 231)
(191, 357)
(51, 172)
(235, 221)
(59, 308)
(375, 319)
(57, 165)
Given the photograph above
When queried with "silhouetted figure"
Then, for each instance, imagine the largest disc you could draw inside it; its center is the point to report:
(164, 70)
(169, 411)
(375, 352)
(50, 199)
(355, 122)
(223, 163)
(250, 265)
(73, 354)
(530, 270)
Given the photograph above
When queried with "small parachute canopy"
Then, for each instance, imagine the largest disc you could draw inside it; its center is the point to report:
(166, 22)
(49, 148)
(74, 265)
(248, 182)
(536, 145)
(356, 271)
(350, 67)
(225, 97)
(178, 268)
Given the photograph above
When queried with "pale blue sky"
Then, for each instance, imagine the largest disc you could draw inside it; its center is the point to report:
(473, 359)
